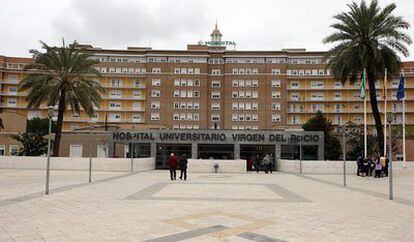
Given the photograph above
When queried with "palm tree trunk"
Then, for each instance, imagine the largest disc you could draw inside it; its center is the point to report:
(375, 111)
(59, 123)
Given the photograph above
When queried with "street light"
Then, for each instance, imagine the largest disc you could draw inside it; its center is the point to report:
(343, 130)
(50, 112)
(389, 120)
(90, 150)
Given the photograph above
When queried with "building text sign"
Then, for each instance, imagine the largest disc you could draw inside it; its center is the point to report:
(216, 136)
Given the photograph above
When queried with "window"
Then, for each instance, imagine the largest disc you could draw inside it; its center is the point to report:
(241, 94)
(338, 84)
(136, 106)
(196, 70)
(235, 117)
(115, 94)
(235, 83)
(155, 105)
(216, 72)
(136, 94)
(338, 108)
(11, 102)
(295, 96)
(337, 96)
(190, 83)
(156, 82)
(275, 83)
(316, 84)
(317, 96)
(155, 116)
(215, 95)
(196, 105)
(75, 150)
(155, 93)
(2, 150)
(275, 71)
(177, 82)
(116, 83)
(241, 83)
(156, 70)
(183, 93)
(190, 93)
(235, 106)
(215, 84)
(12, 90)
(176, 93)
(114, 105)
(196, 83)
(13, 79)
(235, 71)
(255, 94)
(215, 106)
(294, 85)
(255, 106)
(176, 116)
(215, 117)
(114, 117)
(276, 118)
(95, 117)
(176, 70)
(276, 106)
(276, 94)
(196, 117)
(196, 94)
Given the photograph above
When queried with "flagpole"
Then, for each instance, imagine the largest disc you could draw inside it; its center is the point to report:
(403, 129)
(403, 124)
(365, 117)
(384, 95)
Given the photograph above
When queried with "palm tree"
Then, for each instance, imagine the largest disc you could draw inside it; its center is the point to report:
(62, 79)
(368, 37)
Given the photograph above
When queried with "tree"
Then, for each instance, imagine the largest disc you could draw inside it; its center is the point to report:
(357, 143)
(63, 80)
(332, 146)
(33, 140)
(370, 38)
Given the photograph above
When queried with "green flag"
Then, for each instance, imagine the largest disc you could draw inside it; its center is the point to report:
(362, 87)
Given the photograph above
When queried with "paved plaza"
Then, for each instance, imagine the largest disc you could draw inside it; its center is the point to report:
(146, 206)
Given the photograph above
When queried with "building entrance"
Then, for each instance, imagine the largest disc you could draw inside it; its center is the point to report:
(164, 151)
(216, 151)
(249, 152)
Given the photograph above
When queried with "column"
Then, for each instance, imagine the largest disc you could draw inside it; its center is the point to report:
(153, 149)
(278, 153)
(321, 151)
(194, 150)
(236, 151)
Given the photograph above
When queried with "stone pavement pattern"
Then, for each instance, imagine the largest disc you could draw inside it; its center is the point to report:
(207, 207)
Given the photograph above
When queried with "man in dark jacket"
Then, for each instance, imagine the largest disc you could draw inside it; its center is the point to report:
(172, 163)
(183, 166)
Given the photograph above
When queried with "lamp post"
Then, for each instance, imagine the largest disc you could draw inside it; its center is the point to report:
(50, 111)
(389, 120)
(300, 152)
(343, 129)
(90, 150)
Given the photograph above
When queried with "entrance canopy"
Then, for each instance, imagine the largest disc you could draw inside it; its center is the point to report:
(207, 139)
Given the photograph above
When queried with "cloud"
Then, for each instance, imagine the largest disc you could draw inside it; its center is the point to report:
(121, 23)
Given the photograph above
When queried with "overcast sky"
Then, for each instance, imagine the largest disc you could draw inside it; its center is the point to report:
(172, 24)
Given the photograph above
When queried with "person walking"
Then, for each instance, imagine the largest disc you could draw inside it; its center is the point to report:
(385, 166)
(378, 168)
(172, 163)
(371, 165)
(366, 166)
(272, 162)
(266, 162)
(183, 167)
(257, 163)
(359, 164)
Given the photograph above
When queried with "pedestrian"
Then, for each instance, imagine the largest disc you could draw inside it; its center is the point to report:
(366, 166)
(359, 164)
(257, 163)
(378, 168)
(183, 167)
(385, 166)
(271, 163)
(266, 163)
(371, 167)
(172, 163)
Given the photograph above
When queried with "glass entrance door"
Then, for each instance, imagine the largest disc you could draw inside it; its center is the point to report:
(164, 151)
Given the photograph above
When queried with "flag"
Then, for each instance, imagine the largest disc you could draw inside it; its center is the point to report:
(362, 87)
(401, 89)
(384, 86)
